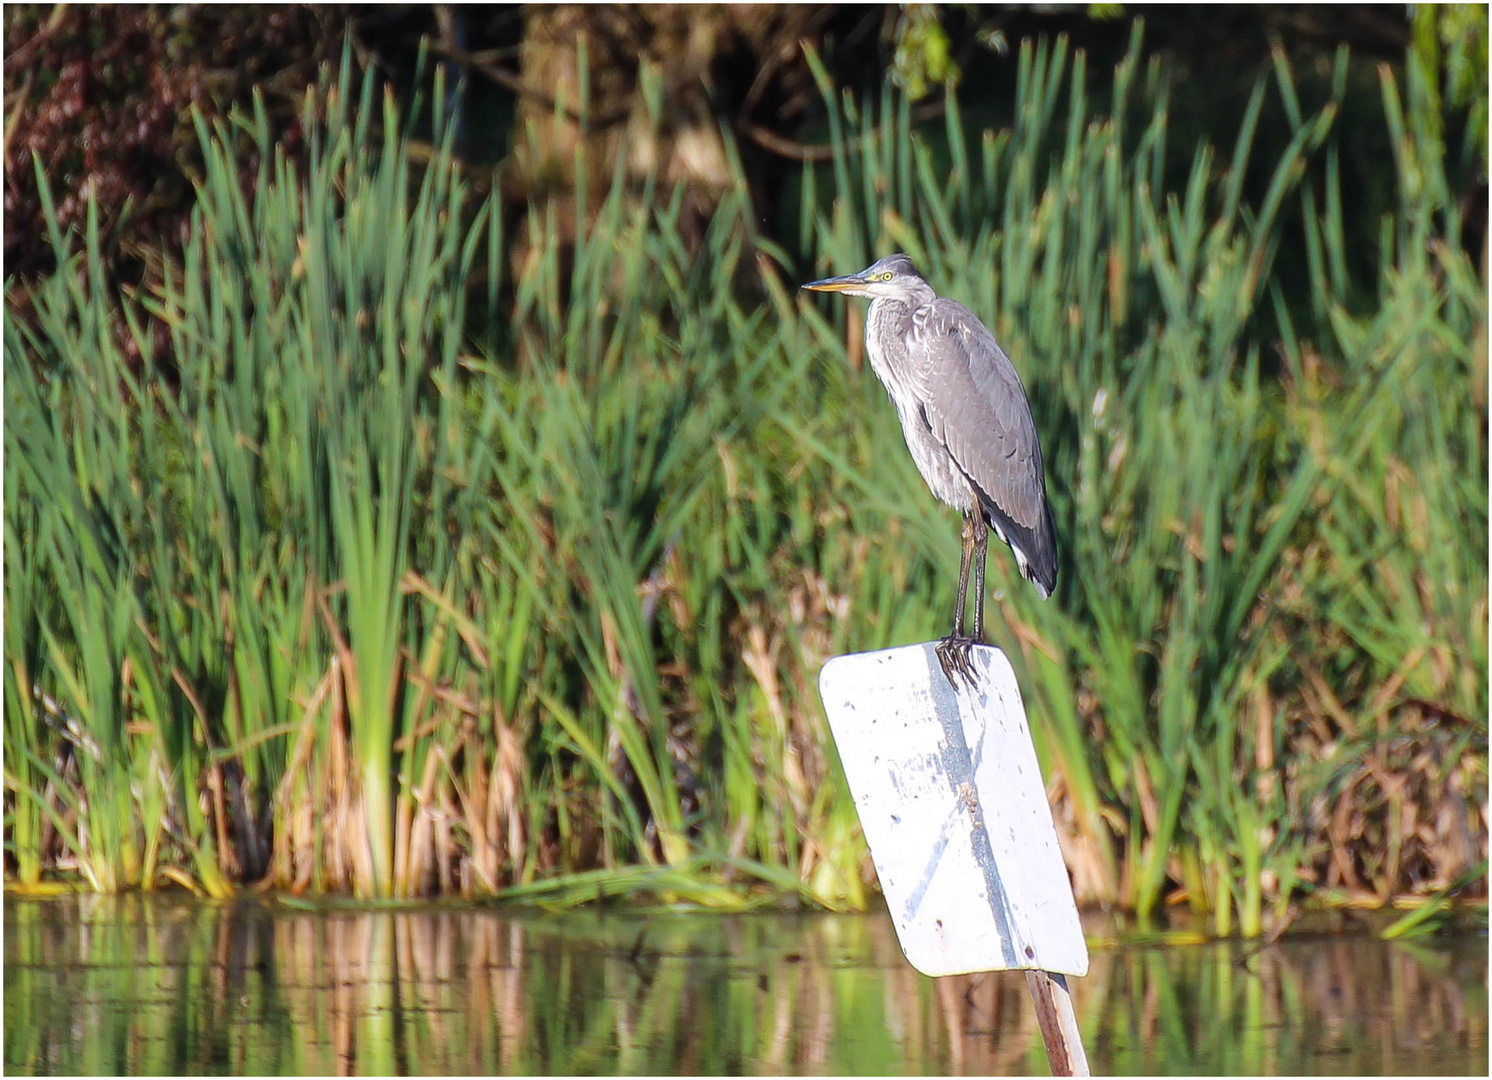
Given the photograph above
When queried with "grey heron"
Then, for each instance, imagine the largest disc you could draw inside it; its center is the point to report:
(968, 425)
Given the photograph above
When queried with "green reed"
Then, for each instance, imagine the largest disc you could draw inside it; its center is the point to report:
(313, 586)
(1179, 486)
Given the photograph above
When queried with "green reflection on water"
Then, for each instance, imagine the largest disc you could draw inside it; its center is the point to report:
(136, 985)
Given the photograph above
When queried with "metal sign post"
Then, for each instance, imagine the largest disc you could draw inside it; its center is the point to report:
(952, 804)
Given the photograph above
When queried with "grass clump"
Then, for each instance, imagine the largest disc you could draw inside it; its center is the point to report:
(304, 587)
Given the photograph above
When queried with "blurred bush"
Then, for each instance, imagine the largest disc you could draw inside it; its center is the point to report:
(102, 96)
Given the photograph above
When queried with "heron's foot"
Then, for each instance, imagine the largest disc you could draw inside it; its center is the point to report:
(954, 656)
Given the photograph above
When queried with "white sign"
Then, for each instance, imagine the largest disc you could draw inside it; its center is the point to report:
(954, 810)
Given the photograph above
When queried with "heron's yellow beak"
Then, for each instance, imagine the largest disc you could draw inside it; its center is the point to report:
(837, 284)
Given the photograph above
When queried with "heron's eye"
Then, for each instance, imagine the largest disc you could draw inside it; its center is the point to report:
(886, 276)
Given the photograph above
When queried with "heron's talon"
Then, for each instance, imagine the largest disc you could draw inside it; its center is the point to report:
(954, 655)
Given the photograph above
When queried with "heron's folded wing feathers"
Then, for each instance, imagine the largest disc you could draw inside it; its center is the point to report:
(975, 404)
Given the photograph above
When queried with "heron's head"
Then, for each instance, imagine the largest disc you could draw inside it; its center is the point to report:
(894, 277)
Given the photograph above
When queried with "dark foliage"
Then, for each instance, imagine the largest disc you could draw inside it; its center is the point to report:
(102, 96)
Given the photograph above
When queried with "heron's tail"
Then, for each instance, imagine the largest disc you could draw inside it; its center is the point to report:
(1035, 550)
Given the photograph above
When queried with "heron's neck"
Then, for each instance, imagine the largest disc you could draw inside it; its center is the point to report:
(887, 324)
(889, 311)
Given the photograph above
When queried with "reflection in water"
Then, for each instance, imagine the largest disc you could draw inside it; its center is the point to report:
(158, 985)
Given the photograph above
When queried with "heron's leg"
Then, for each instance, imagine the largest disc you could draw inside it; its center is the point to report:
(953, 650)
(963, 577)
(981, 549)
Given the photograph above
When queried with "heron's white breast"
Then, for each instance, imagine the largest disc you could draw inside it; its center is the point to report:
(888, 342)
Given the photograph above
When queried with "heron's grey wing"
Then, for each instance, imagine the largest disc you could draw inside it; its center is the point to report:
(976, 406)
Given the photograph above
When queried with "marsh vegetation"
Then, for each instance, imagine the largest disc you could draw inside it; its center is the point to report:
(383, 548)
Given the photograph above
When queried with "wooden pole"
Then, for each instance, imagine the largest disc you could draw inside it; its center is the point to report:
(1059, 1024)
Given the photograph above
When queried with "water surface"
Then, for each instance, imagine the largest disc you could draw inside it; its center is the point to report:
(164, 985)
